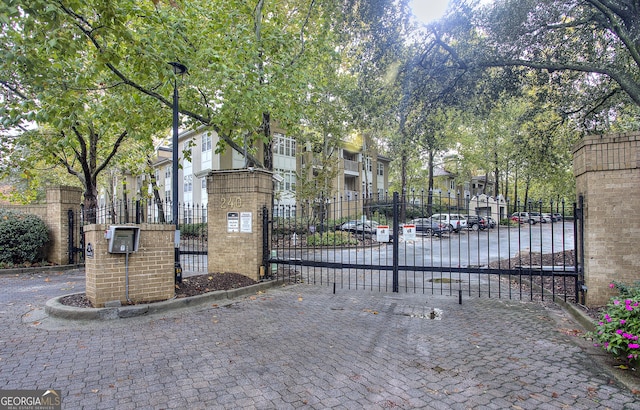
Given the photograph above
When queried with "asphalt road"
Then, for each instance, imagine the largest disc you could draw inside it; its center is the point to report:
(467, 248)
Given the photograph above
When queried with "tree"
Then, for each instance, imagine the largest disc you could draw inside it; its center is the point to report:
(51, 81)
(106, 75)
(589, 47)
(247, 63)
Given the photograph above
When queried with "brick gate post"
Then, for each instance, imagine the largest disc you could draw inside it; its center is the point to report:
(607, 171)
(60, 200)
(236, 200)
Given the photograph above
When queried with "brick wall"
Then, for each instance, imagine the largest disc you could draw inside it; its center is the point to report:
(60, 200)
(237, 192)
(607, 171)
(151, 270)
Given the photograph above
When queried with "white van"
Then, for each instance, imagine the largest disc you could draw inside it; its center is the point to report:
(455, 222)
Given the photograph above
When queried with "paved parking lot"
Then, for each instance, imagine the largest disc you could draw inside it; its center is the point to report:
(305, 347)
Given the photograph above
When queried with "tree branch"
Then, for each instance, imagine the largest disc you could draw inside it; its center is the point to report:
(13, 90)
(85, 27)
(625, 80)
(113, 152)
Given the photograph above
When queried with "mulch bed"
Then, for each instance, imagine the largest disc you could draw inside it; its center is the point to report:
(190, 286)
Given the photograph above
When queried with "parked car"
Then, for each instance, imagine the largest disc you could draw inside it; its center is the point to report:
(455, 222)
(546, 218)
(491, 223)
(427, 226)
(348, 226)
(536, 216)
(524, 217)
(475, 222)
(557, 217)
(358, 226)
(366, 227)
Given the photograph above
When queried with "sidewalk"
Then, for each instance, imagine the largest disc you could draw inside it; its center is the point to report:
(304, 347)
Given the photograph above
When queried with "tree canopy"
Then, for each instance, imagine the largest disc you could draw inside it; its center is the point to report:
(590, 48)
(94, 75)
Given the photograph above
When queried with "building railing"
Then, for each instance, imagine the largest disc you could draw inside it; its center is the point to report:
(351, 166)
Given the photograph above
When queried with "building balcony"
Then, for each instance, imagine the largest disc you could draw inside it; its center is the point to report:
(351, 167)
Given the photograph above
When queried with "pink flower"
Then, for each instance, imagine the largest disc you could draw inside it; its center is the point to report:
(616, 302)
(634, 346)
(611, 286)
(629, 308)
(607, 317)
(622, 321)
(619, 331)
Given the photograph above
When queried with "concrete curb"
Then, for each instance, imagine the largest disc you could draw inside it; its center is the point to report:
(54, 308)
(40, 269)
(587, 322)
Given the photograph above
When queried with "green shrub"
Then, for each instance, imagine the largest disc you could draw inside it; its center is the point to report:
(331, 238)
(508, 222)
(289, 226)
(618, 329)
(23, 238)
(193, 230)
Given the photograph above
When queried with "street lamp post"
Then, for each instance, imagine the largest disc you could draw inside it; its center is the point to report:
(178, 69)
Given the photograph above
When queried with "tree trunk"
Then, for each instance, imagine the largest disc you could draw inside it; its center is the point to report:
(125, 200)
(430, 184)
(496, 176)
(157, 201)
(515, 193)
(268, 144)
(91, 204)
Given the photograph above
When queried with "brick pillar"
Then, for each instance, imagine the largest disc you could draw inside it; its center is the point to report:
(236, 200)
(59, 201)
(607, 171)
(151, 271)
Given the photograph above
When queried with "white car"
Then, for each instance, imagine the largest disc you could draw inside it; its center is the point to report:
(455, 222)
(525, 217)
(546, 218)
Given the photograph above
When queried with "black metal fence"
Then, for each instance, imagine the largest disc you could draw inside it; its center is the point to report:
(75, 240)
(192, 223)
(341, 243)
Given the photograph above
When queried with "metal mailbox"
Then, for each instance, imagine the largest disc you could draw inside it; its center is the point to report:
(123, 239)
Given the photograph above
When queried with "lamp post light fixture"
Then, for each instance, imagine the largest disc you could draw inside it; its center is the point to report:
(178, 69)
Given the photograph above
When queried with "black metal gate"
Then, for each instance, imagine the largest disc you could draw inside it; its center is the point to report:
(340, 242)
(75, 237)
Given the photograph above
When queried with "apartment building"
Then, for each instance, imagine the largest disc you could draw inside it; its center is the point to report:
(358, 174)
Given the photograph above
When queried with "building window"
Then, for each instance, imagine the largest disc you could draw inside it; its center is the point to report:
(288, 182)
(188, 184)
(206, 142)
(187, 167)
(284, 145)
(366, 165)
(167, 172)
(380, 169)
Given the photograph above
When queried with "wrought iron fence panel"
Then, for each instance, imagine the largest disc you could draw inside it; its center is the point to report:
(336, 242)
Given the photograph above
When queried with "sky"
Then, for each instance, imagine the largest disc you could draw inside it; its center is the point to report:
(428, 10)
